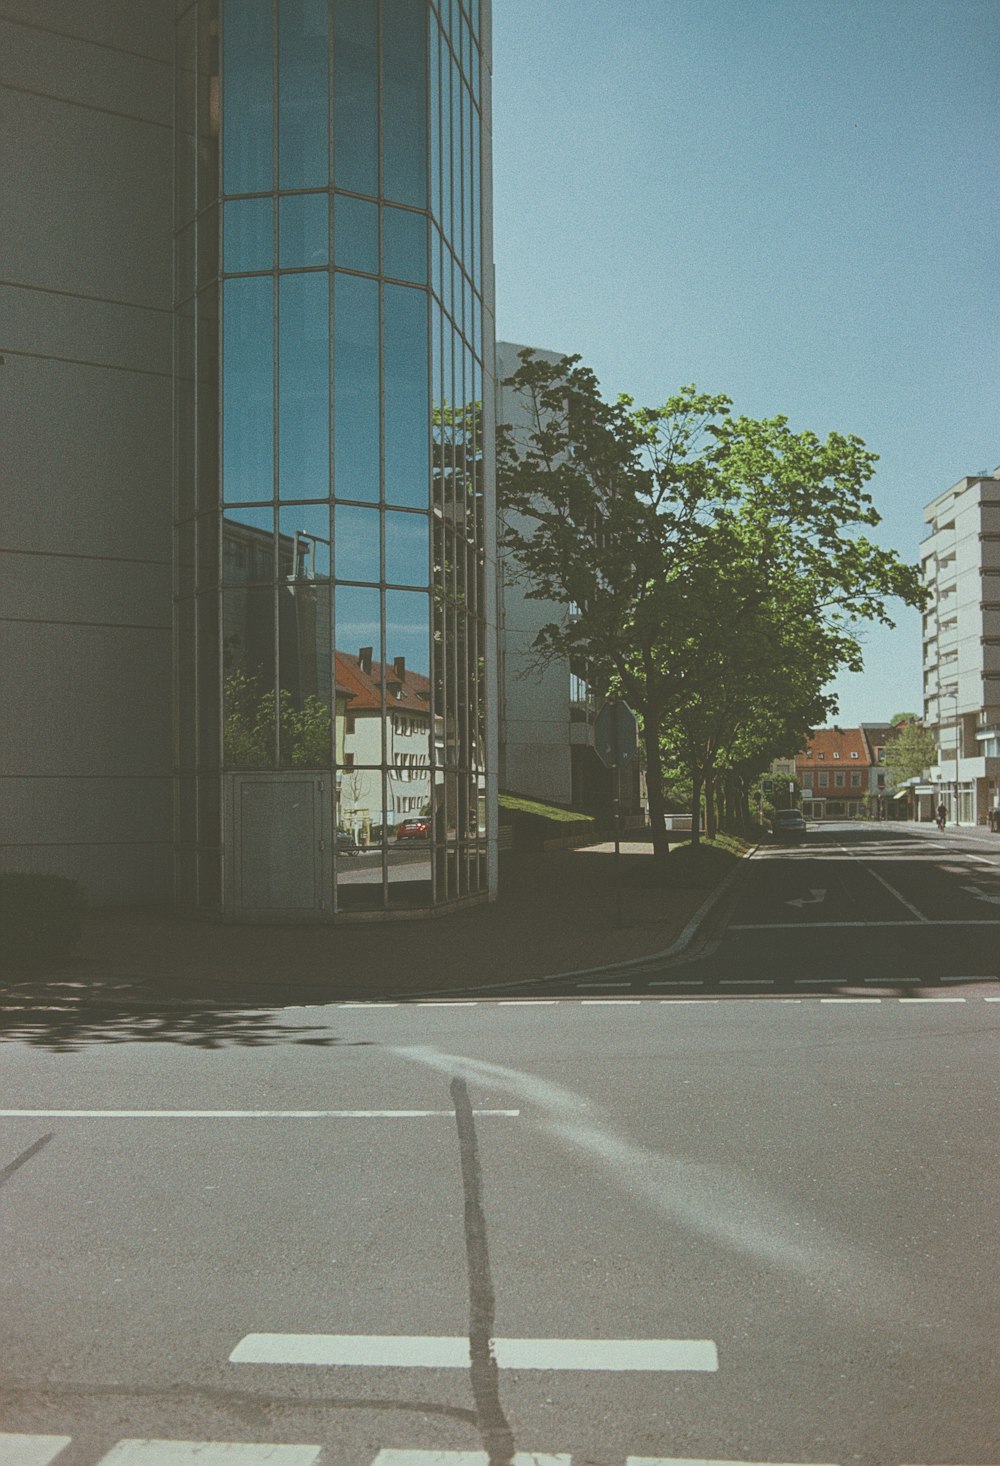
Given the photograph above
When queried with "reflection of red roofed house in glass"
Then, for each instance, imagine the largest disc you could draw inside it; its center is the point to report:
(407, 736)
(834, 773)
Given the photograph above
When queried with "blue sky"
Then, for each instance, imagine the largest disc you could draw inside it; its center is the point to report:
(794, 202)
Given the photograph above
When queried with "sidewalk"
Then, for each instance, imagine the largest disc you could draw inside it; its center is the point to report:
(556, 913)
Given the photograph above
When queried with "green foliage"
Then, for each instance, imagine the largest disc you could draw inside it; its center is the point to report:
(41, 915)
(909, 753)
(544, 811)
(248, 728)
(898, 718)
(713, 568)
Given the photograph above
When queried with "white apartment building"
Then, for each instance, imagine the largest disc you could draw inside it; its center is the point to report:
(961, 644)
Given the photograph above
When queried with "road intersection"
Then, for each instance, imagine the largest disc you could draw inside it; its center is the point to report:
(740, 1209)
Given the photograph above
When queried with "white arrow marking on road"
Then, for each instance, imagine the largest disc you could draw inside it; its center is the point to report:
(817, 897)
(981, 895)
(400, 1351)
(699, 1461)
(31, 1450)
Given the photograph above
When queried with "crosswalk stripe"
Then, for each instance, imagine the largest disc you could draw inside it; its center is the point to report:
(702, 1461)
(30, 1450)
(387, 1351)
(207, 1453)
(462, 1458)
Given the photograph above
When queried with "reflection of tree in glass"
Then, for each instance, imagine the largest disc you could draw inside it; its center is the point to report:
(249, 724)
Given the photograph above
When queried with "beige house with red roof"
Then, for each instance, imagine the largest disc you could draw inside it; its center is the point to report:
(404, 733)
(835, 772)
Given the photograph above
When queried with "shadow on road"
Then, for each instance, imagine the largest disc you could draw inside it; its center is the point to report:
(65, 1015)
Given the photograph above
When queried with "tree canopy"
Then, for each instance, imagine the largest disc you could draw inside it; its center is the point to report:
(712, 568)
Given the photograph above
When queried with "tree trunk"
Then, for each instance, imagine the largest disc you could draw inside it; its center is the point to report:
(696, 786)
(710, 820)
(654, 785)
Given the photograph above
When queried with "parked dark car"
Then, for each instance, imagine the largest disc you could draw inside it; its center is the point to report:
(417, 828)
(346, 844)
(787, 824)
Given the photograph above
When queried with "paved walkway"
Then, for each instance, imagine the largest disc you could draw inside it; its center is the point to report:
(556, 914)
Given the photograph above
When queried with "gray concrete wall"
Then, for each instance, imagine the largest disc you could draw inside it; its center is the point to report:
(85, 398)
(534, 700)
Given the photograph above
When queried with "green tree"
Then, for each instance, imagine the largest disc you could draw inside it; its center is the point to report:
(909, 752)
(669, 535)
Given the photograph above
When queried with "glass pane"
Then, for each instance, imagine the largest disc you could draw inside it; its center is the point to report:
(248, 387)
(404, 245)
(355, 233)
(304, 542)
(355, 90)
(435, 117)
(355, 376)
(247, 95)
(302, 85)
(248, 544)
(356, 543)
(303, 229)
(406, 397)
(249, 235)
(359, 807)
(407, 629)
(248, 678)
(406, 548)
(304, 386)
(359, 639)
(305, 668)
(404, 101)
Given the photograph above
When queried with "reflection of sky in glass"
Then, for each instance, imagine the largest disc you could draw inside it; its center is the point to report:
(303, 223)
(406, 548)
(355, 233)
(249, 235)
(407, 629)
(312, 524)
(356, 543)
(404, 244)
(304, 386)
(356, 414)
(357, 619)
(407, 409)
(248, 389)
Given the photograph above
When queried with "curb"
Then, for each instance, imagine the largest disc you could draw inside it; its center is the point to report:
(677, 948)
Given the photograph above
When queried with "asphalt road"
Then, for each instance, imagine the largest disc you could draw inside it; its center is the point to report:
(704, 1224)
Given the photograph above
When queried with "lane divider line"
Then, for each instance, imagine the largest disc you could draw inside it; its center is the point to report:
(244, 1115)
(206, 1453)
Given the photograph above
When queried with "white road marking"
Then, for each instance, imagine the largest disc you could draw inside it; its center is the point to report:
(931, 1000)
(604, 984)
(678, 1001)
(887, 884)
(815, 925)
(891, 982)
(850, 1000)
(752, 982)
(206, 1453)
(677, 982)
(526, 1002)
(968, 979)
(701, 1461)
(605, 1001)
(991, 1000)
(815, 898)
(463, 1458)
(31, 1450)
(241, 1114)
(366, 1005)
(397, 1351)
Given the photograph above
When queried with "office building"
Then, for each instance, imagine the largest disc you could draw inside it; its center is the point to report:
(248, 341)
(961, 644)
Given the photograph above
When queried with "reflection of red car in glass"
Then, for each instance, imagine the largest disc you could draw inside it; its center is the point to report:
(418, 828)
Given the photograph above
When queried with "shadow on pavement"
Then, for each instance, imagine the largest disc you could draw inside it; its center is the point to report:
(66, 1015)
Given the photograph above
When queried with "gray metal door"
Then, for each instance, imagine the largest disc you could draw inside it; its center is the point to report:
(280, 866)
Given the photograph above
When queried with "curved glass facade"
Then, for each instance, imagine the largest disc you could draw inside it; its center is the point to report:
(334, 502)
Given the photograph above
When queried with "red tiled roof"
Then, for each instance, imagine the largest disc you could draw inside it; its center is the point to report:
(364, 688)
(829, 741)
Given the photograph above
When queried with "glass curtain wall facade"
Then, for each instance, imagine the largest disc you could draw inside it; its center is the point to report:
(333, 476)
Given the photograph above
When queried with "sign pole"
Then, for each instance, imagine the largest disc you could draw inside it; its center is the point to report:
(616, 774)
